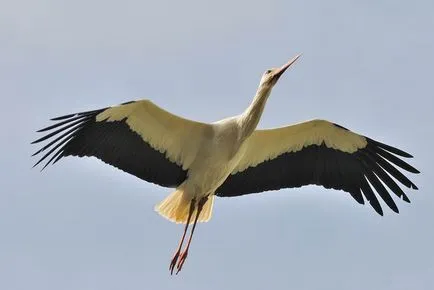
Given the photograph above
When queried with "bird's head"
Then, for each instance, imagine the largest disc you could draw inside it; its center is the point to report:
(271, 76)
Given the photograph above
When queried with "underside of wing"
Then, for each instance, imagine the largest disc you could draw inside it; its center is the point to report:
(320, 153)
(136, 137)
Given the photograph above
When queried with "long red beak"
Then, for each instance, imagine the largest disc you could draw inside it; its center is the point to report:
(281, 70)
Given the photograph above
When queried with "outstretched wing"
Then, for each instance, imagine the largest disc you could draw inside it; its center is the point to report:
(137, 137)
(322, 153)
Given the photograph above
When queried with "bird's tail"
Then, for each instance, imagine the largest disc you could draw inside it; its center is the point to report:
(176, 208)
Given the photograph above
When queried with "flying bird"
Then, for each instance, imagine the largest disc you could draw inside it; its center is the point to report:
(230, 157)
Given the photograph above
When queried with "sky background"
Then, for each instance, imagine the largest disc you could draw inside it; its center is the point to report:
(81, 224)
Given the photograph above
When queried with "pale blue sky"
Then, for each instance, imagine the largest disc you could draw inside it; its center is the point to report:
(367, 65)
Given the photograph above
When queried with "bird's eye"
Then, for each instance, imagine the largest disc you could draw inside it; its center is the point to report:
(268, 71)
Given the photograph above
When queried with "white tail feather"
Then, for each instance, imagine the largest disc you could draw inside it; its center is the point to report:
(176, 207)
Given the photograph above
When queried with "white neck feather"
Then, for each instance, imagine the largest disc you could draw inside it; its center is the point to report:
(249, 119)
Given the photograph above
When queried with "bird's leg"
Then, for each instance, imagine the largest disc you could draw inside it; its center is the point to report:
(184, 254)
(178, 251)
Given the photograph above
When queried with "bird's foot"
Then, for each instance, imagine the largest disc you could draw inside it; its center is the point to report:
(181, 261)
(174, 260)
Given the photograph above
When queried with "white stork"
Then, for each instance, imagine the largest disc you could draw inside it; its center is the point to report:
(229, 157)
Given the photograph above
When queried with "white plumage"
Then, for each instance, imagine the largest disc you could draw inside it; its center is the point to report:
(229, 157)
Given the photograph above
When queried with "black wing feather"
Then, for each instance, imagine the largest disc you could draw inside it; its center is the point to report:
(330, 168)
(112, 142)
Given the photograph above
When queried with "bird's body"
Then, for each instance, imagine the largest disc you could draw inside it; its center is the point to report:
(217, 156)
(229, 157)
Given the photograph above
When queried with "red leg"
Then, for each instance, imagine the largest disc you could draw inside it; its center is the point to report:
(178, 251)
(184, 254)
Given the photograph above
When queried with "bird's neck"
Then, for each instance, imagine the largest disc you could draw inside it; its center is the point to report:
(251, 116)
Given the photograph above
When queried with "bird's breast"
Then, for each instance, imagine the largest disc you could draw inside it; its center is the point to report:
(215, 161)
